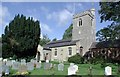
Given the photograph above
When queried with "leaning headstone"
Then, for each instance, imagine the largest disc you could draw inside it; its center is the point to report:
(76, 67)
(71, 69)
(108, 70)
(38, 65)
(60, 67)
(30, 66)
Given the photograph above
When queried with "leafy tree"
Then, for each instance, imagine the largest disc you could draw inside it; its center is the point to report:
(55, 39)
(68, 33)
(109, 11)
(44, 40)
(21, 37)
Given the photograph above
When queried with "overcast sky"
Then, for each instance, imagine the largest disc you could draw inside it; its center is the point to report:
(54, 17)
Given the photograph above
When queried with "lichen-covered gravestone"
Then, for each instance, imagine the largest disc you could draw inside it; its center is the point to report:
(47, 65)
(38, 65)
(22, 68)
(30, 66)
(60, 67)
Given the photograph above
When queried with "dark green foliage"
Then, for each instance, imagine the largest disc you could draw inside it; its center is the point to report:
(44, 40)
(109, 11)
(68, 33)
(21, 38)
(76, 59)
(55, 39)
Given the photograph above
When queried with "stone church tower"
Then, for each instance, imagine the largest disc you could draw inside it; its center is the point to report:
(84, 30)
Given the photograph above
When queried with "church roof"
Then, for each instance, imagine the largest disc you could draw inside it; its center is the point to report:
(106, 44)
(60, 43)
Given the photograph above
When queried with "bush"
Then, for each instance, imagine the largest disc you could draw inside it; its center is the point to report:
(76, 59)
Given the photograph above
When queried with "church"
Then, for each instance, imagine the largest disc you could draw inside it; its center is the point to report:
(83, 35)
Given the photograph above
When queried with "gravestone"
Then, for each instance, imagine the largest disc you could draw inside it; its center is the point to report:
(16, 65)
(13, 61)
(60, 67)
(9, 63)
(40, 62)
(22, 68)
(34, 62)
(47, 61)
(54, 66)
(23, 62)
(90, 70)
(3, 66)
(38, 65)
(76, 67)
(4, 60)
(71, 69)
(30, 66)
(0, 70)
(47, 66)
(7, 70)
(108, 70)
(1, 59)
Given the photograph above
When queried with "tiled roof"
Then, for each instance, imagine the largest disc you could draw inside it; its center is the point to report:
(60, 43)
(106, 44)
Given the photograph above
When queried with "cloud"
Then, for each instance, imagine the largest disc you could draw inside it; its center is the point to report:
(42, 8)
(3, 14)
(45, 27)
(62, 17)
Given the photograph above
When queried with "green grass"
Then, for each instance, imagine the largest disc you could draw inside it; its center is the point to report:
(83, 70)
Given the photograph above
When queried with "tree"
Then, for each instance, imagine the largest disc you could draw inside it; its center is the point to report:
(106, 34)
(55, 39)
(68, 33)
(21, 37)
(109, 11)
(44, 40)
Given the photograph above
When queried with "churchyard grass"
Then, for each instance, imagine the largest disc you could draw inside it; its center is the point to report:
(83, 70)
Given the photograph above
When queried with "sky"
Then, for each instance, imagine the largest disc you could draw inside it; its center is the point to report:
(54, 17)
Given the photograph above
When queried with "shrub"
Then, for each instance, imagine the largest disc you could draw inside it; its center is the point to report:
(76, 59)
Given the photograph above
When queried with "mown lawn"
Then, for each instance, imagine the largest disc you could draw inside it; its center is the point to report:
(83, 70)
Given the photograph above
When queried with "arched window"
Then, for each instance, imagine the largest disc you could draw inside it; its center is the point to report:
(55, 52)
(81, 50)
(80, 22)
(70, 50)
